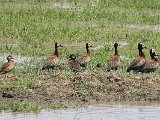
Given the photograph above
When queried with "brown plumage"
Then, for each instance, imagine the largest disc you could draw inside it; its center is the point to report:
(115, 61)
(85, 59)
(9, 66)
(53, 60)
(100, 69)
(151, 65)
(138, 62)
(74, 64)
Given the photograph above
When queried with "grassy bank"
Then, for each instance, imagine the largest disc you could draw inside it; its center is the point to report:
(30, 29)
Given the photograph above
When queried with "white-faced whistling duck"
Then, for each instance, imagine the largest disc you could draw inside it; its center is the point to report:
(138, 62)
(73, 63)
(53, 60)
(85, 59)
(115, 61)
(151, 65)
(100, 69)
(7, 67)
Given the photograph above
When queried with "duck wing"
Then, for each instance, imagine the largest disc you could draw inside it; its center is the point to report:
(74, 65)
(50, 63)
(137, 62)
(4, 67)
(150, 66)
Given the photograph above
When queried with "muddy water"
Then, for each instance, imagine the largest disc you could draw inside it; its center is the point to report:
(93, 112)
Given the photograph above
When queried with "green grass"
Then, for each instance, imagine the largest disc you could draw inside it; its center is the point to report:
(19, 106)
(36, 25)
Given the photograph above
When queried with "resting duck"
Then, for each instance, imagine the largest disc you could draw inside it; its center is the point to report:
(74, 64)
(151, 65)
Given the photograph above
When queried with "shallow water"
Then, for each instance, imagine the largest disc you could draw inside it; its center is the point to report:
(9, 45)
(17, 58)
(93, 112)
(69, 5)
(145, 27)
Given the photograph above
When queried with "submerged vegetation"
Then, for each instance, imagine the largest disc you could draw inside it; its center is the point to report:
(30, 28)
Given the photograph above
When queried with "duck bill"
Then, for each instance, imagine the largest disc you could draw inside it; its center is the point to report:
(90, 46)
(119, 45)
(144, 46)
(12, 59)
(60, 45)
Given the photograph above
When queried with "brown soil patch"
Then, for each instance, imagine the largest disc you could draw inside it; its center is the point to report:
(86, 87)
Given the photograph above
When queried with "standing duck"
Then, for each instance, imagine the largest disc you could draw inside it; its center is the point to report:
(9, 66)
(138, 62)
(151, 65)
(85, 59)
(74, 64)
(53, 60)
(115, 61)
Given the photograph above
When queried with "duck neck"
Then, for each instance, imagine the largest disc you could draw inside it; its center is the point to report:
(116, 51)
(141, 53)
(155, 59)
(87, 49)
(56, 51)
(10, 61)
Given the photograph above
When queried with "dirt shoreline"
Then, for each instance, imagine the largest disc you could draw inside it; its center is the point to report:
(83, 88)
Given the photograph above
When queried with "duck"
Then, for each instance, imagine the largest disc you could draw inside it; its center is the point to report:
(100, 69)
(87, 57)
(115, 61)
(74, 63)
(53, 60)
(151, 65)
(9, 66)
(137, 63)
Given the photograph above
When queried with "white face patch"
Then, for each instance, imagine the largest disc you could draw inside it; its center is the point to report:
(143, 46)
(153, 50)
(12, 59)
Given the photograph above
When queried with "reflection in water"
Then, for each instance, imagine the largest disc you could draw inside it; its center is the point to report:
(98, 112)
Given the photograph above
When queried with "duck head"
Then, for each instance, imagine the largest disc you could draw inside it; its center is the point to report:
(10, 58)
